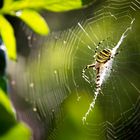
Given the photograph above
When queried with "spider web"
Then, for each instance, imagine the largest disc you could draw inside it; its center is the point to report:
(54, 91)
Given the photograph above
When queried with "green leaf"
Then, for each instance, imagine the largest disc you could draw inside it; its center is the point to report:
(53, 5)
(34, 20)
(9, 128)
(3, 81)
(6, 8)
(7, 2)
(18, 132)
(63, 5)
(4, 100)
(7, 117)
(7, 34)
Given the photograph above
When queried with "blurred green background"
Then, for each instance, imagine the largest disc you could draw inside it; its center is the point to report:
(46, 84)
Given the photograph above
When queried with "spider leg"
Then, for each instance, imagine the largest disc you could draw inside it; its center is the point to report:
(117, 53)
(88, 66)
(99, 44)
(114, 55)
(83, 72)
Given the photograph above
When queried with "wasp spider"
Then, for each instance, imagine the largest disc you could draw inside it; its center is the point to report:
(101, 58)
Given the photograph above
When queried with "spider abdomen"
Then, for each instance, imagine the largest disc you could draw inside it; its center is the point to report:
(103, 56)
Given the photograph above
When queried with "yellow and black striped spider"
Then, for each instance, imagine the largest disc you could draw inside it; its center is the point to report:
(101, 58)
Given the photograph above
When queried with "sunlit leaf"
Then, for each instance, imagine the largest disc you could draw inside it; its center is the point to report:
(63, 5)
(7, 116)
(53, 5)
(7, 2)
(11, 128)
(7, 34)
(34, 21)
(18, 132)
(4, 100)
(6, 7)
(24, 4)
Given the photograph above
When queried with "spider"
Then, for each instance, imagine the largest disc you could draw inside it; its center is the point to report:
(101, 59)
